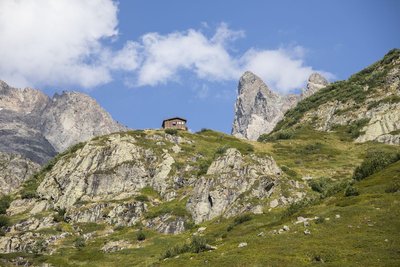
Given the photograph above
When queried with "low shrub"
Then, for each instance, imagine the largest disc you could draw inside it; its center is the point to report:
(171, 131)
(320, 220)
(393, 188)
(198, 244)
(79, 242)
(4, 221)
(59, 216)
(297, 206)
(142, 198)
(351, 191)
(374, 162)
(140, 236)
(289, 171)
(4, 204)
(242, 218)
(239, 220)
(203, 166)
(221, 150)
(280, 135)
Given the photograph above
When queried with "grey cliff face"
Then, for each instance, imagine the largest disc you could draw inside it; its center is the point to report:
(38, 127)
(315, 83)
(258, 109)
(14, 170)
(100, 182)
(74, 117)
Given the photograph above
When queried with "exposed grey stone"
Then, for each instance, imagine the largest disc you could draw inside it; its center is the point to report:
(242, 245)
(258, 109)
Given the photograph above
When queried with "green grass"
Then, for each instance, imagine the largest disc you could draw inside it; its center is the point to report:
(174, 207)
(356, 239)
(349, 91)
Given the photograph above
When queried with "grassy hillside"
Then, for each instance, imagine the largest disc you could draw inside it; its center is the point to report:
(368, 88)
(364, 233)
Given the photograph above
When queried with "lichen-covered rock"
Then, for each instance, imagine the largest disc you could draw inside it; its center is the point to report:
(14, 169)
(228, 177)
(121, 214)
(96, 172)
(167, 224)
(113, 246)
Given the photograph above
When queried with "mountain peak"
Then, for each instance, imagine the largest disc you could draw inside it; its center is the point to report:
(315, 83)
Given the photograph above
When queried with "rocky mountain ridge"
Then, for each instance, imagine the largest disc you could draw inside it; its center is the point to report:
(366, 106)
(37, 127)
(258, 109)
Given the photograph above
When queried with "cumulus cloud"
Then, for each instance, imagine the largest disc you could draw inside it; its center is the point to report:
(166, 55)
(209, 58)
(59, 42)
(281, 69)
(64, 42)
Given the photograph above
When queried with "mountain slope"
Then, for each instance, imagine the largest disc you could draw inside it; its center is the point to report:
(258, 109)
(107, 213)
(367, 105)
(37, 127)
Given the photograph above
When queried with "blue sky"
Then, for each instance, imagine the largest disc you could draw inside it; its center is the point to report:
(144, 61)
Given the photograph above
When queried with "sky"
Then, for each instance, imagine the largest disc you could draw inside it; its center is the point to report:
(144, 61)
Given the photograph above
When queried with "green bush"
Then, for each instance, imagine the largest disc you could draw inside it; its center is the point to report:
(4, 221)
(59, 216)
(203, 166)
(171, 131)
(221, 150)
(374, 162)
(239, 220)
(142, 198)
(4, 204)
(289, 171)
(203, 130)
(319, 185)
(320, 220)
(79, 242)
(280, 135)
(140, 236)
(242, 218)
(297, 206)
(351, 191)
(393, 188)
(189, 224)
(312, 148)
(198, 244)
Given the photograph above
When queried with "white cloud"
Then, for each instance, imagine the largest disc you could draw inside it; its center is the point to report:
(58, 42)
(61, 42)
(165, 56)
(280, 69)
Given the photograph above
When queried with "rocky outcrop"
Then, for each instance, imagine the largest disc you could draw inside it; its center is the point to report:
(74, 117)
(258, 109)
(315, 83)
(14, 169)
(37, 127)
(229, 177)
(366, 106)
(102, 182)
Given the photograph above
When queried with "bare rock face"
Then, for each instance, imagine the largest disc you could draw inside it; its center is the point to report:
(315, 83)
(227, 178)
(74, 117)
(258, 109)
(14, 169)
(36, 126)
